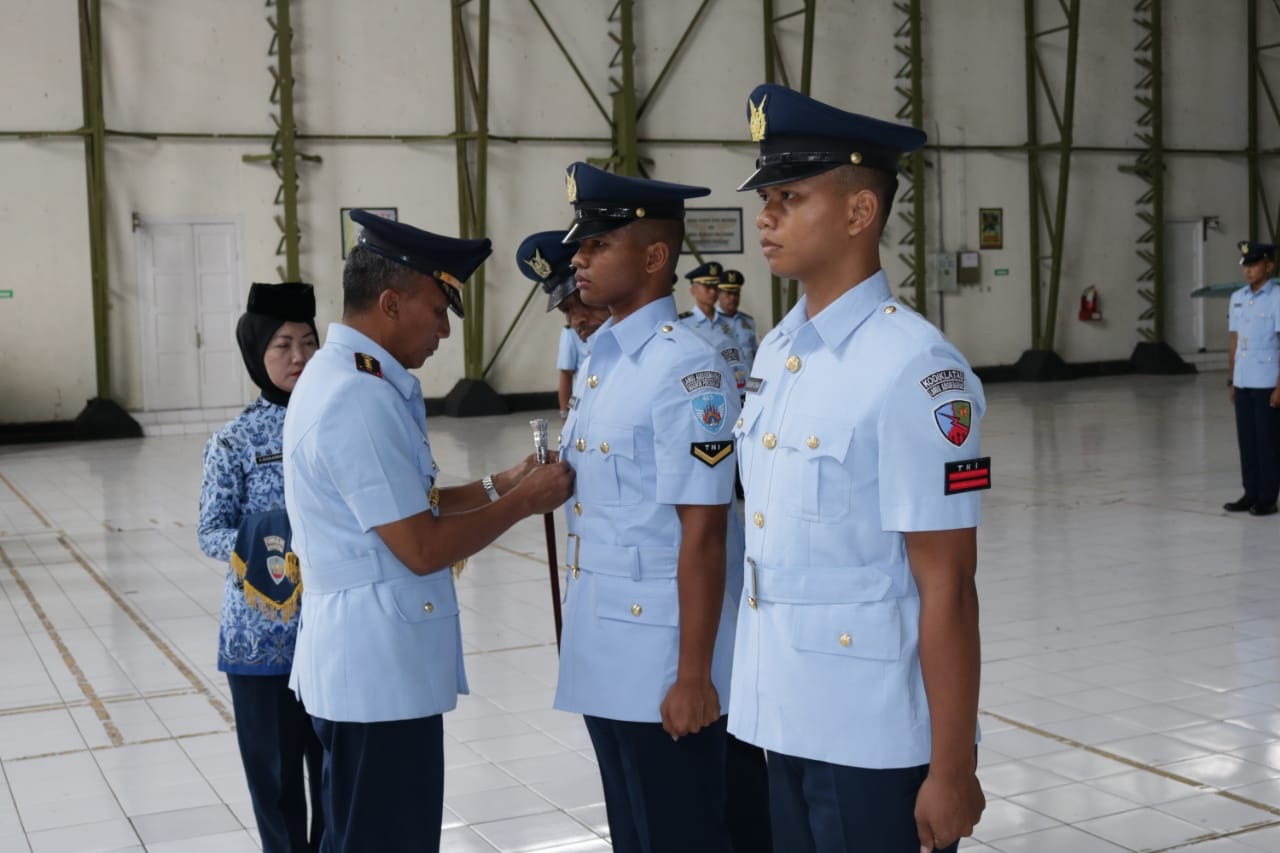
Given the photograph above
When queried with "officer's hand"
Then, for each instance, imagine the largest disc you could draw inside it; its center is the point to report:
(546, 487)
(1231, 393)
(690, 705)
(947, 808)
(1275, 398)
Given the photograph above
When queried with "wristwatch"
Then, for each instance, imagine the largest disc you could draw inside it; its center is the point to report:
(489, 488)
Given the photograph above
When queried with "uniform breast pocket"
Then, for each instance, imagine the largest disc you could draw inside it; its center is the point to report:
(870, 630)
(655, 604)
(613, 468)
(743, 432)
(812, 470)
(430, 599)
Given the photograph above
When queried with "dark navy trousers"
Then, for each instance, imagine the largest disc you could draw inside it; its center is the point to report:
(829, 808)
(383, 785)
(662, 796)
(276, 740)
(747, 797)
(1258, 433)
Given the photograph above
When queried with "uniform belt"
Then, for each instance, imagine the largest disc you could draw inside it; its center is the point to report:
(624, 561)
(346, 574)
(841, 585)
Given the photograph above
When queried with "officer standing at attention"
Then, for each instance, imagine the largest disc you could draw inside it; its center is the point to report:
(704, 283)
(379, 654)
(742, 324)
(545, 258)
(1254, 360)
(857, 655)
(648, 627)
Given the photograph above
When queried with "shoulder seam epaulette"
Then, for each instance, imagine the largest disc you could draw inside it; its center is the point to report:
(684, 315)
(366, 363)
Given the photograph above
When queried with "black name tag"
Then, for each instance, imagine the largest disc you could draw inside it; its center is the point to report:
(754, 384)
(268, 458)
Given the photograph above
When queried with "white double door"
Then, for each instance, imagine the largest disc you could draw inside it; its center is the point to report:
(189, 301)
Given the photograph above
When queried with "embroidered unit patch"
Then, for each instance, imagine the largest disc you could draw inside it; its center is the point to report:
(711, 453)
(954, 420)
(701, 379)
(943, 380)
(708, 411)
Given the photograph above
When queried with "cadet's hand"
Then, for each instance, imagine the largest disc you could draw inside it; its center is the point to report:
(1275, 398)
(545, 487)
(690, 705)
(1231, 393)
(947, 809)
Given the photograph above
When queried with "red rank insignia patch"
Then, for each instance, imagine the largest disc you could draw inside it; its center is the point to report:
(368, 364)
(968, 475)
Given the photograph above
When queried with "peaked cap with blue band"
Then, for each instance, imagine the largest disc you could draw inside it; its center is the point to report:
(603, 201)
(800, 137)
(731, 281)
(448, 260)
(708, 273)
(545, 258)
(1251, 252)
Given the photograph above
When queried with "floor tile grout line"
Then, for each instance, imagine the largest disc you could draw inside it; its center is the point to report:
(68, 659)
(23, 498)
(104, 747)
(109, 700)
(164, 648)
(1215, 836)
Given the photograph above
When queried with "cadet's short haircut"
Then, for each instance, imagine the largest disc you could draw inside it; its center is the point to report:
(366, 275)
(668, 231)
(852, 178)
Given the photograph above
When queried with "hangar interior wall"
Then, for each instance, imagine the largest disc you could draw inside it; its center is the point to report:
(384, 67)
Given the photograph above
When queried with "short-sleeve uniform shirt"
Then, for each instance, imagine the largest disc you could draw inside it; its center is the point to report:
(718, 331)
(377, 642)
(862, 424)
(1255, 318)
(572, 352)
(650, 429)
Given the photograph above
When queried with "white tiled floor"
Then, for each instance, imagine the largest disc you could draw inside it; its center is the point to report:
(1131, 683)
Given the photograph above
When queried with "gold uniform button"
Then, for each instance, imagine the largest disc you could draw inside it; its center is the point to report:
(581, 444)
(846, 640)
(751, 602)
(739, 424)
(889, 309)
(593, 381)
(604, 447)
(575, 571)
(428, 607)
(577, 508)
(636, 609)
(758, 518)
(793, 363)
(666, 328)
(770, 441)
(812, 442)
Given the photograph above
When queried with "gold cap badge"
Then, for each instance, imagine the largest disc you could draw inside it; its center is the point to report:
(571, 185)
(758, 121)
(539, 264)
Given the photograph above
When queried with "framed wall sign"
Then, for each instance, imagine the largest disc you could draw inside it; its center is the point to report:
(713, 230)
(991, 228)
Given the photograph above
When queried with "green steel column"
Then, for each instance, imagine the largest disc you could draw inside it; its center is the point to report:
(96, 180)
(1157, 163)
(624, 99)
(1033, 170)
(1064, 171)
(1255, 173)
(917, 158)
(770, 74)
(288, 142)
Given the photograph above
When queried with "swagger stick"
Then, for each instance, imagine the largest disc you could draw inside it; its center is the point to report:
(549, 521)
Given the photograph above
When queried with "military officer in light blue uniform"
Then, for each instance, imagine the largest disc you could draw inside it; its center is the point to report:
(742, 324)
(856, 664)
(379, 653)
(704, 283)
(648, 624)
(1254, 357)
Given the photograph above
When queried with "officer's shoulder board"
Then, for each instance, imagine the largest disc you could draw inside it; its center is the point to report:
(368, 364)
(684, 315)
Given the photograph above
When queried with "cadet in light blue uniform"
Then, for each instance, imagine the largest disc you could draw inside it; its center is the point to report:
(704, 281)
(648, 625)
(379, 655)
(857, 655)
(242, 522)
(1254, 323)
(742, 324)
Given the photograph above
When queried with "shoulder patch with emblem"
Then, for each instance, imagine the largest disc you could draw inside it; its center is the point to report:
(967, 475)
(708, 411)
(368, 364)
(731, 354)
(711, 453)
(943, 380)
(701, 379)
(955, 420)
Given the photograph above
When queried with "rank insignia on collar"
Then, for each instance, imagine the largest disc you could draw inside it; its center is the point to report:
(968, 475)
(368, 364)
(954, 420)
(539, 264)
(758, 121)
(711, 453)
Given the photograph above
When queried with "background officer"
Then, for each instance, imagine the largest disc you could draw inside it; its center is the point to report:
(704, 283)
(1254, 360)
(379, 654)
(742, 324)
(545, 258)
(857, 655)
(648, 627)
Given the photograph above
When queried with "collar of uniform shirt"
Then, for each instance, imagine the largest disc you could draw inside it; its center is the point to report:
(632, 333)
(392, 371)
(840, 318)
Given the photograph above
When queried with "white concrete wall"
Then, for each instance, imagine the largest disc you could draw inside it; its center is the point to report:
(385, 67)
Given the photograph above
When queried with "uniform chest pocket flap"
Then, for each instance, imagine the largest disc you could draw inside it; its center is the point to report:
(655, 603)
(421, 601)
(870, 630)
(815, 449)
(743, 432)
(612, 474)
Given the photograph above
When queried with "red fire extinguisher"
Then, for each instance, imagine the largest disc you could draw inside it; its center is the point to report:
(1089, 305)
